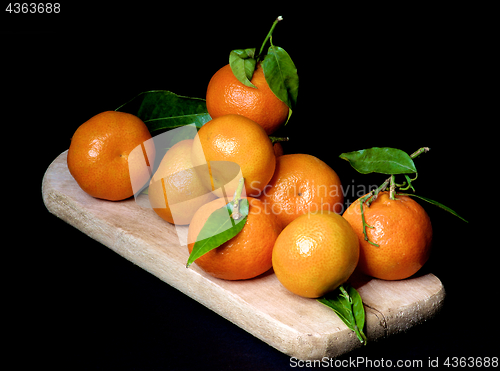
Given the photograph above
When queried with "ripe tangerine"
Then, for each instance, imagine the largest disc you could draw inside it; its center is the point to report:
(244, 256)
(101, 156)
(300, 184)
(315, 253)
(226, 95)
(401, 228)
(228, 140)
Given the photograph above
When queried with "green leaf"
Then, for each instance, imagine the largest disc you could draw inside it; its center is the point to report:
(434, 203)
(281, 75)
(380, 160)
(219, 228)
(164, 110)
(242, 64)
(357, 307)
(347, 304)
(340, 306)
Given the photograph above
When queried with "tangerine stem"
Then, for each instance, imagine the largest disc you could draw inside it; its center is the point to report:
(381, 188)
(278, 139)
(419, 152)
(392, 188)
(365, 224)
(280, 18)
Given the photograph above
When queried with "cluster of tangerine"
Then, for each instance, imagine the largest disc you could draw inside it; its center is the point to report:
(293, 223)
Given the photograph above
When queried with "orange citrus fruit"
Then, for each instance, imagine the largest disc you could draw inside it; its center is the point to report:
(315, 254)
(246, 255)
(302, 183)
(401, 228)
(101, 156)
(278, 149)
(226, 95)
(234, 139)
(176, 191)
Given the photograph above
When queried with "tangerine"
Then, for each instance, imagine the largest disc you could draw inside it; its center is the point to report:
(229, 140)
(246, 255)
(176, 190)
(101, 156)
(315, 253)
(401, 228)
(278, 149)
(302, 183)
(226, 95)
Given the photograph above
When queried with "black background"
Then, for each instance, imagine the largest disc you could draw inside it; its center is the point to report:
(365, 81)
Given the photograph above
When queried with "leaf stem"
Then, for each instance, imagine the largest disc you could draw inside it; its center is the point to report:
(236, 200)
(280, 18)
(409, 180)
(278, 139)
(392, 188)
(419, 152)
(360, 334)
(365, 224)
(373, 195)
(381, 188)
(345, 294)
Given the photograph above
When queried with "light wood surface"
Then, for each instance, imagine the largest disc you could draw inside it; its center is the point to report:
(300, 327)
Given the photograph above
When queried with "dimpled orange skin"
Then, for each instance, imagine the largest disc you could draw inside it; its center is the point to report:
(302, 183)
(98, 157)
(176, 191)
(240, 140)
(315, 254)
(278, 149)
(226, 95)
(403, 230)
(246, 255)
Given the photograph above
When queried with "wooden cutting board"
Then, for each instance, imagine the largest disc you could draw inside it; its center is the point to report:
(300, 327)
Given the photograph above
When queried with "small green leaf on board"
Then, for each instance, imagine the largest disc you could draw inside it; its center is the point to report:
(219, 228)
(347, 304)
(357, 307)
(382, 160)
